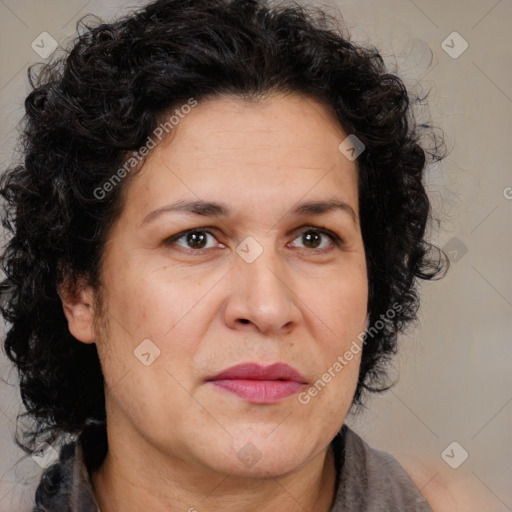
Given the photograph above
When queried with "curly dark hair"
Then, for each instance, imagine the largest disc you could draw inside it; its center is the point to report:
(90, 108)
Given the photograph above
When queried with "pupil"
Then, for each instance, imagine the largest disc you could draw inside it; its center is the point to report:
(312, 238)
(193, 240)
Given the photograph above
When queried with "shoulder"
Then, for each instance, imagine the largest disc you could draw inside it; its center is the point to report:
(372, 480)
(54, 483)
(444, 489)
(435, 491)
(65, 485)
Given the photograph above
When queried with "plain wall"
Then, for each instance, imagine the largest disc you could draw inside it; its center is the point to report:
(454, 368)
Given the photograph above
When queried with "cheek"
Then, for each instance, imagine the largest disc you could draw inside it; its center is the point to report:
(144, 300)
(146, 315)
(341, 309)
(342, 305)
(153, 306)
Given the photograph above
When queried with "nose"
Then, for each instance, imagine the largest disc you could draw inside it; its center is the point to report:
(261, 296)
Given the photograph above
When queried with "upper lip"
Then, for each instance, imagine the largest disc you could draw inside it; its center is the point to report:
(254, 371)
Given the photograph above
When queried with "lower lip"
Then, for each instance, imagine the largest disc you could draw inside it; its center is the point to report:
(259, 391)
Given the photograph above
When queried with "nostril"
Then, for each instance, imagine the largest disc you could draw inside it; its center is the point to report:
(244, 320)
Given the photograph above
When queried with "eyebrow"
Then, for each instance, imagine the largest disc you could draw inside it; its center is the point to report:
(213, 209)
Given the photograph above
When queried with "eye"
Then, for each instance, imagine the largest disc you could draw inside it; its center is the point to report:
(193, 239)
(196, 240)
(312, 238)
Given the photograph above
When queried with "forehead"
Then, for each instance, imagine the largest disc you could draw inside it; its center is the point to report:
(250, 154)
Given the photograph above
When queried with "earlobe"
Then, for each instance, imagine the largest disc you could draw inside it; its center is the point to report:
(78, 309)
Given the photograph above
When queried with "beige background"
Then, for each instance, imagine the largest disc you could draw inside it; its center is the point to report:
(455, 367)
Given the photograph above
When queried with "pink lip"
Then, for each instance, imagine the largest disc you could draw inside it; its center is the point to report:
(260, 384)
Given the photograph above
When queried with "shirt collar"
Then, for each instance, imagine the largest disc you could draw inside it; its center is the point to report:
(82, 497)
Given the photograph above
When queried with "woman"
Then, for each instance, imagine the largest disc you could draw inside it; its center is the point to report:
(217, 235)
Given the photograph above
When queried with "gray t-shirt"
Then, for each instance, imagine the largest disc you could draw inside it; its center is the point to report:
(372, 480)
(368, 480)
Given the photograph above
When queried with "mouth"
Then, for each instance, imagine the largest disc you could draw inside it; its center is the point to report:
(259, 384)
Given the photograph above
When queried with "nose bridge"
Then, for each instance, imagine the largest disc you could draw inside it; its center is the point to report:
(260, 292)
(259, 267)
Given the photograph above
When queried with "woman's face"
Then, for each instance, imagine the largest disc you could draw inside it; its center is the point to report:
(259, 282)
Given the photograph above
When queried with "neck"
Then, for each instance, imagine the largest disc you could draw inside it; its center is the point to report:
(143, 479)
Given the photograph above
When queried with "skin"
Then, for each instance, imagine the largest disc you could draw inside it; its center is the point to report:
(447, 490)
(173, 438)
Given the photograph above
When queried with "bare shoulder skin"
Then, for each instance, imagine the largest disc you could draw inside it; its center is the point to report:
(448, 490)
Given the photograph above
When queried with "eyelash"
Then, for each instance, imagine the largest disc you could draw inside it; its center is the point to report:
(337, 241)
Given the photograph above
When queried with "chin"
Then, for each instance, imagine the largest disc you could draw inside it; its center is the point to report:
(265, 453)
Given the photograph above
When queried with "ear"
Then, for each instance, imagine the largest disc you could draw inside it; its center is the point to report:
(78, 306)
